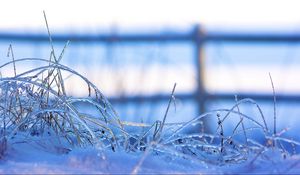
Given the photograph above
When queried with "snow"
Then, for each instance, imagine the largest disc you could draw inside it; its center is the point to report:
(25, 159)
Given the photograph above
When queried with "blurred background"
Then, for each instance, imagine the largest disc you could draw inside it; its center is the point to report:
(135, 51)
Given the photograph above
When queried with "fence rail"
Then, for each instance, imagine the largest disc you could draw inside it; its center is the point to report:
(173, 37)
(197, 37)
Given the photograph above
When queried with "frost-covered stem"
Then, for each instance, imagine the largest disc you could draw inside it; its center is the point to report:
(241, 120)
(169, 104)
(53, 52)
(166, 113)
(221, 132)
(274, 104)
(10, 50)
(248, 100)
(49, 35)
(141, 161)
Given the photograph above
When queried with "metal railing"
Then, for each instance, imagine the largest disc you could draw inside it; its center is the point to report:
(197, 37)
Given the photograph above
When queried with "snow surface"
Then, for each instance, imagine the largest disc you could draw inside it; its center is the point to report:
(23, 158)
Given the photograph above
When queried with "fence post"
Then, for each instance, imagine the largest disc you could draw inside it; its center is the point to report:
(200, 93)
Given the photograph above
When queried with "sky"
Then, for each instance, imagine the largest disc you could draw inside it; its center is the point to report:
(93, 14)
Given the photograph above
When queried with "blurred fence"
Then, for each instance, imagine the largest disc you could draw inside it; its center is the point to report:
(196, 37)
